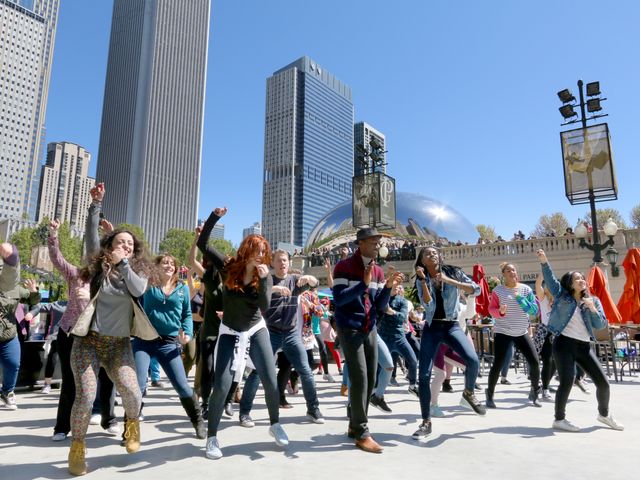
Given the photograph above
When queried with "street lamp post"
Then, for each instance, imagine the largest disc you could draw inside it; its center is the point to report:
(588, 166)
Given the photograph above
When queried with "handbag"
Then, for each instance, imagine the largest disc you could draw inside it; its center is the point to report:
(82, 325)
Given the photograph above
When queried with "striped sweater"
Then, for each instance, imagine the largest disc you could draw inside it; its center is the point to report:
(520, 302)
(349, 292)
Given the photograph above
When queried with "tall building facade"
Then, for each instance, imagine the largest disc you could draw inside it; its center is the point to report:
(308, 150)
(365, 137)
(255, 229)
(26, 52)
(65, 184)
(218, 231)
(151, 136)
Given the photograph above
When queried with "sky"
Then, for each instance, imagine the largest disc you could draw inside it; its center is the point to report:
(464, 91)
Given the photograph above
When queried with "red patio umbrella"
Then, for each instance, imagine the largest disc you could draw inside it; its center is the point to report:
(482, 300)
(629, 303)
(598, 286)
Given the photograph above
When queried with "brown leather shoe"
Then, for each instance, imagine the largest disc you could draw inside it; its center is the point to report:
(368, 444)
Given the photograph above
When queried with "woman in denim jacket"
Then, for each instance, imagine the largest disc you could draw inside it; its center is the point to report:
(438, 287)
(573, 330)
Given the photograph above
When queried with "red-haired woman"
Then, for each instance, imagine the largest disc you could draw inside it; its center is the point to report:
(246, 292)
(117, 276)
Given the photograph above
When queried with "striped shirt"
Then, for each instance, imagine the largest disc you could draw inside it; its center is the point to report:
(520, 303)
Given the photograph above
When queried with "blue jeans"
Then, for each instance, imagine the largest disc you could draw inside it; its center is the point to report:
(451, 334)
(293, 348)
(168, 355)
(154, 369)
(385, 362)
(10, 361)
(400, 345)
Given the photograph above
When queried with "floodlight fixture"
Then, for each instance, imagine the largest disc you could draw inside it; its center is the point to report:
(593, 89)
(566, 96)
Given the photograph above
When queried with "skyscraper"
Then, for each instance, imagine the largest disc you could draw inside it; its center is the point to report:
(308, 150)
(26, 53)
(255, 229)
(65, 184)
(364, 136)
(151, 136)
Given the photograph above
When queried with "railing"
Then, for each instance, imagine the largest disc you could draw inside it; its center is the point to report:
(624, 239)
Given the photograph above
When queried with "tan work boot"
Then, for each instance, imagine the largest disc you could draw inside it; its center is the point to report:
(77, 464)
(132, 435)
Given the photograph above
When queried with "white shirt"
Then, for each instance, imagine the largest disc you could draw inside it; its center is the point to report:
(576, 328)
(545, 310)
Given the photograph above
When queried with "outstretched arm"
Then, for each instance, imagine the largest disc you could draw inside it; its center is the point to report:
(216, 257)
(91, 237)
(194, 264)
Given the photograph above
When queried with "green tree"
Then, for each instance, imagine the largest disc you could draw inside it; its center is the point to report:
(177, 242)
(635, 216)
(604, 214)
(223, 246)
(486, 232)
(71, 247)
(23, 240)
(555, 223)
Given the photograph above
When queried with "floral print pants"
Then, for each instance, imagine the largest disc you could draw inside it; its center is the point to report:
(114, 354)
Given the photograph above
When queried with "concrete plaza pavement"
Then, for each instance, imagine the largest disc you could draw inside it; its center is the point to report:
(513, 441)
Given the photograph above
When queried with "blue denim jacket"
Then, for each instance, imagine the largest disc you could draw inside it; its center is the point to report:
(564, 306)
(450, 294)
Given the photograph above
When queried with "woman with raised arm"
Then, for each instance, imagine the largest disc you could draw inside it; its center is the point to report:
(247, 293)
(210, 272)
(78, 293)
(11, 294)
(511, 305)
(574, 316)
(438, 287)
(543, 339)
(117, 271)
(168, 307)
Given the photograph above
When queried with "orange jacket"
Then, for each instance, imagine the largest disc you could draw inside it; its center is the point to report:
(598, 287)
(629, 303)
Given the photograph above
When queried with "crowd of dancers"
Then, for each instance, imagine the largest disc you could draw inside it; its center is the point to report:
(124, 312)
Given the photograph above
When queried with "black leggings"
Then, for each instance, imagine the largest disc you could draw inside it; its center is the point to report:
(548, 365)
(207, 374)
(51, 360)
(567, 352)
(523, 343)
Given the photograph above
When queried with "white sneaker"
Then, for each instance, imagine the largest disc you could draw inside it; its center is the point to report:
(46, 389)
(113, 429)
(9, 400)
(59, 437)
(546, 395)
(213, 449)
(246, 422)
(95, 419)
(328, 378)
(436, 411)
(610, 422)
(277, 432)
(565, 425)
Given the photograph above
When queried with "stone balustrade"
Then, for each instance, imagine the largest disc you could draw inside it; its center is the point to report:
(564, 254)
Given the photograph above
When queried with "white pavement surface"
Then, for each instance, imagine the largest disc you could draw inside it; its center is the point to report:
(514, 441)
